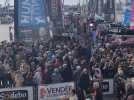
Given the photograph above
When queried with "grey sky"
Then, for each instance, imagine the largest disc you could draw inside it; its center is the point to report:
(69, 2)
(2, 2)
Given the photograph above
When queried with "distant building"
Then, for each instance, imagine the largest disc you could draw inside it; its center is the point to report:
(119, 10)
(70, 12)
(6, 14)
(71, 18)
(109, 10)
(102, 8)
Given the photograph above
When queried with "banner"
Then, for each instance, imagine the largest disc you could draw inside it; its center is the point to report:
(26, 34)
(54, 91)
(17, 94)
(107, 86)
(31, 13)
(32, 21)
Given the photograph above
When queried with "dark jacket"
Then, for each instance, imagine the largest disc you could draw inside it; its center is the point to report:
(66, 74)
(84, 81)
(99, 95)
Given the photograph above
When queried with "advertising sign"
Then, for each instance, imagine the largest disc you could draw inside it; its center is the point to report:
(17, 94)
(54, 91)
(31, 18)
(31, 13)
(107, 86)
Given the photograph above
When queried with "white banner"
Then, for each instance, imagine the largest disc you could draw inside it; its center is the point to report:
(107, 86)
(25, 93)
(54, 91)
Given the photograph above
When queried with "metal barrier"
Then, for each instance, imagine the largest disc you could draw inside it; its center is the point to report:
(48, 91)
(43, 92)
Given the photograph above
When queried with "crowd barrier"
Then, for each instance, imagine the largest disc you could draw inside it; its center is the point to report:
(47, 92)
(43, 92)
(23, 93)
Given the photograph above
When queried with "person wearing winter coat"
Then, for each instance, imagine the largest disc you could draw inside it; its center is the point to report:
(37, 79)
(84, 82)
(73, 95)
(19, 79)
(119, 83)
(46, 77)
(56, 76)
(66, 73)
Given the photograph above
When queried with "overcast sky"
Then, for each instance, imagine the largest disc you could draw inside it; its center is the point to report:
(69, 2)
(2, 2)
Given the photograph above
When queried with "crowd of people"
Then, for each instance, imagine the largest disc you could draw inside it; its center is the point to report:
(66, 61)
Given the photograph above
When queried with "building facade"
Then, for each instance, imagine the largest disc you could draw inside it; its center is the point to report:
(55, 13)
(119, 10)
(6, 14)
(109, 10)
(102, 8)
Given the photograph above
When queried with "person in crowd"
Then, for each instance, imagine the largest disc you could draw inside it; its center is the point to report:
(45, 76)
(97, 91)
(66, 73)
(120, 84)
(130, 90)
(28, 79)
(24, 68)
(76, 76)
(84, 81)
(73, 95)
(97, 73)
(19, 79)
(64, 61)
(37, 77)
(56, 76)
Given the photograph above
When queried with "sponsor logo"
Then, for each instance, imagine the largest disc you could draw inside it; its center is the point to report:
(14, 95)
(51, 92)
